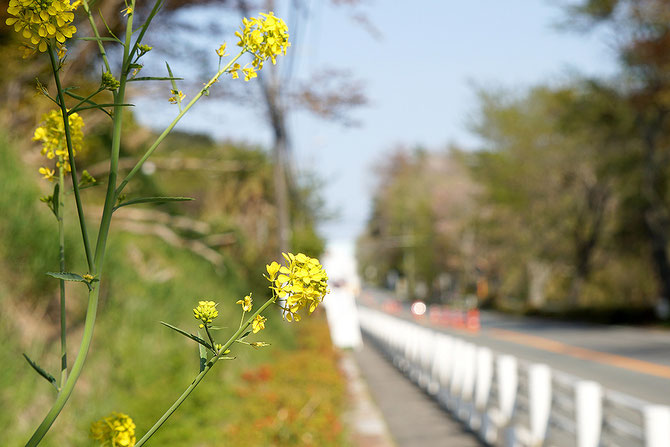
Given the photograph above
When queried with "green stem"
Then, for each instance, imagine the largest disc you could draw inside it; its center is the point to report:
(61, 254)
(96, 266)
(101, 47)
(211, 340)
(70, 151)
(68, 387)
(165, 133)
(200, 376)
(86, 99)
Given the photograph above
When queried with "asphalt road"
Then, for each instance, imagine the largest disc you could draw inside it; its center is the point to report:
(635, 361)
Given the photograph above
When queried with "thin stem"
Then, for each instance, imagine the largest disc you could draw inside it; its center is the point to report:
(211, 340)
(242, 318)
(68, 387)
(95, 267)
(165, 133)
(101, 47)
(110, 198)
(200, 376)
(73, 167)
(86, 99)
(61, 243)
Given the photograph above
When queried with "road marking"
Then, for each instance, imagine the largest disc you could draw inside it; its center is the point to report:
(545, 344)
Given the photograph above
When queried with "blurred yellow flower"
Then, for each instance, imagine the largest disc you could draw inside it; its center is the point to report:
(303, 283)
(222, 50)
(265, 37)
(42, 20)
(258, 323)
(206, 312)
(116, 430)
(52, 135)
(177, 96)
(246, 303)
(47, 173)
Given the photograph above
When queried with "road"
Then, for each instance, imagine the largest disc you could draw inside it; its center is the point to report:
(635, 361)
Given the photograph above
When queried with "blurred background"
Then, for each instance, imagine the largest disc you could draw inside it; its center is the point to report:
(504, 157)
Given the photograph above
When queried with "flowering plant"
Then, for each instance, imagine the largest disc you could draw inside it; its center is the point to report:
(46, 26)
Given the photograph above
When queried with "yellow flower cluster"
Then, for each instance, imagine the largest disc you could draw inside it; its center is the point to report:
(265, 37)
(42, 20)
(54, 145)
(116, 430)
(303, 283)
(206, 312)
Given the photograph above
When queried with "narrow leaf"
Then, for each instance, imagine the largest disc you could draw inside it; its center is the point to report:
(191, 336)
(41, 371)
(105, 39)
(202, 351)
(98, 106)
(153, 200)
(67, 276)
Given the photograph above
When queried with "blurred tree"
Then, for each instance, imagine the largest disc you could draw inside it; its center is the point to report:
(642, 29)
(416, 231)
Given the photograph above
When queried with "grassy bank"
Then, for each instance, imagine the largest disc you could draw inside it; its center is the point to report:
(289, 393)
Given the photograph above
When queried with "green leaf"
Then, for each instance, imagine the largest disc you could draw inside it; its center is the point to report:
(155, 78)
(67, 276)
(202, 351)
(41, 371)
(191, 336)
(153, 200)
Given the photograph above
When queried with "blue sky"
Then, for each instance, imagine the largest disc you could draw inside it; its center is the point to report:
(420, 77)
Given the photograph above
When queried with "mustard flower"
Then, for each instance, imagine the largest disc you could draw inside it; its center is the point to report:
(40, 21)
(222, 50)
(206, 312)
(116, 430)
(47, 173)
(259, 344)
(246, 303)
(52, 135)
(177, 96)
(258, 323)
(265, 37)
(249, 73)
(302, 282)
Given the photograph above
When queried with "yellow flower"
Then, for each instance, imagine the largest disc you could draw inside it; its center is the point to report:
(249, 73)
(47, 173)
(206, 312)
(258, 323)
(222, 50)
(116, 430)
(40, 21)
(302, 282)
(246, 303)
(52, 136)
(265, 37)
(177, 96)
(259, 344)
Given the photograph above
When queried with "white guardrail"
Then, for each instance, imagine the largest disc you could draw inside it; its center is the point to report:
(507, 401)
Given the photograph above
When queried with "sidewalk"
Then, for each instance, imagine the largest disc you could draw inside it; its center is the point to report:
(413, 418)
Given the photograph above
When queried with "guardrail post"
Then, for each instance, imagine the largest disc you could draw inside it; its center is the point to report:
(657, 426)
(539, 390)
(588, 413)
(483, 379)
